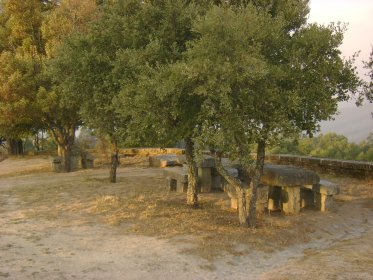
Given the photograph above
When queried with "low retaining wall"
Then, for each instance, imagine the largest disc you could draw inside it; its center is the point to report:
(351, 168)
(150, 151)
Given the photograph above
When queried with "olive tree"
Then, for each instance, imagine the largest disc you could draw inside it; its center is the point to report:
(261, 79)
(154, 95)
(130, 40)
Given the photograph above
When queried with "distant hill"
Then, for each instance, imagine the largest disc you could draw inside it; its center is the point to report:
(353, 122)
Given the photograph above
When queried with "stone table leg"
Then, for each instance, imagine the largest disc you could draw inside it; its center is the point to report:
(182, 186)
(234, 203)
(171, 184)
(307, 198)
(274, 198)
(291, 200)
(204, 175)
(324, 202)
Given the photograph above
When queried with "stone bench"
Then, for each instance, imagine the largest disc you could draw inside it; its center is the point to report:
(320, 195)
(205, 174)
(86, 161)
(83, 161)
(261, 202)
(283, 187)
(57, 164)
(176, 178)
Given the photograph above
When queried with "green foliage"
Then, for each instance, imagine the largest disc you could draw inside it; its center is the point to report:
(321, 77)
(330, 145)
(21, 50)
(18, 84)
(262, 81)
(30, 31)
(60, 106)
(369, 86)
(230, 73)
(67, 18)
(233, 76)
(116, 64)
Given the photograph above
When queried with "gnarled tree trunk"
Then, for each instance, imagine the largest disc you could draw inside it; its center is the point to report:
(192, 194)
(114, 162)
(66, 157)
(240, 189)
(241, 206)
(260, 153)
(64, 137)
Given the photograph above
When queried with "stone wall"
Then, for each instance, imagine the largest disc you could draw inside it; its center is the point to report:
(350, 168)
(150, 151)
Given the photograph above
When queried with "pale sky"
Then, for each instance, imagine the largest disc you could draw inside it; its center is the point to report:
(355, 123)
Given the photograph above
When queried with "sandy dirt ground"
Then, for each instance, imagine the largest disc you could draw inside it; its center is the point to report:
(78, 226)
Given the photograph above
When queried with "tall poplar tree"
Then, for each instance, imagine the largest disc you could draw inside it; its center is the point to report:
(59, 106)
(21, 55)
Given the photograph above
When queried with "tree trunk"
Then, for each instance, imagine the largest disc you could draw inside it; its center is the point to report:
(241, 205)
(239, 187)
(64, 138)
(114, 163)
(66, 158)
(36, 142)
(41, 141)
(192, 195)
(15, 147)
(260, 153)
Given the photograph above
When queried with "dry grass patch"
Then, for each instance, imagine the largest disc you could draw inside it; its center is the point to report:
(140, 204)
(213, 227)
(351, 188)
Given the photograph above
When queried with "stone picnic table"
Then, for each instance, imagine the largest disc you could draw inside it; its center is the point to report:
(285, 184)
(283, 187)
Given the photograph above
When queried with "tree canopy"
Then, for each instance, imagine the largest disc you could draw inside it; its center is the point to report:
(261, 81)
